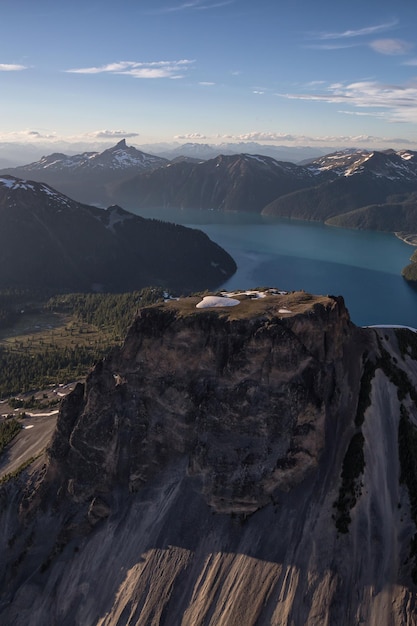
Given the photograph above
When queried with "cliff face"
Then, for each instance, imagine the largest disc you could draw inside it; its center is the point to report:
(209, 472)
(244, 399)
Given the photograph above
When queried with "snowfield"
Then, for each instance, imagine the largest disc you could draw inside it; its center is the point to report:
(228, 299)
(216, 301)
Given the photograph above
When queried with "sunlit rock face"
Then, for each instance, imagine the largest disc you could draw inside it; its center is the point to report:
(201, 476)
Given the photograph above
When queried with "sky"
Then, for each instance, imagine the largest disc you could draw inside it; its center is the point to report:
(278, 72)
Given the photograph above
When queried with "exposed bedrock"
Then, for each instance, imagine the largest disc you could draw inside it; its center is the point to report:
(201, 476)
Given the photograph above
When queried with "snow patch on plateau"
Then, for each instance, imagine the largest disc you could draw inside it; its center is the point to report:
(209, 302)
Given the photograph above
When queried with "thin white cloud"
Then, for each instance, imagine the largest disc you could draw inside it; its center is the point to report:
(112, 134)
(319, 97)
(391, 47)
(26, 136)
(196, 5)
(368, 141)
(11, 67)
(51, 137)
(95, 140)
(362, 113)
(262, 136)
(192, 136)
(206, 83)
(359, 32)
(139, 69)
(331, 46)
(396, 103)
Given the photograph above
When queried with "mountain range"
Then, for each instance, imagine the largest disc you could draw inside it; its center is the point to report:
(87, 177)
(365, 191)
(247, 460)
(204, 151)
(123, 174)
(350, 188)
(49, 241)
(15, 154)
(242, 182)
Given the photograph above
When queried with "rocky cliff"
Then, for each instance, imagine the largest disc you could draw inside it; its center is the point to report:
(246, 464)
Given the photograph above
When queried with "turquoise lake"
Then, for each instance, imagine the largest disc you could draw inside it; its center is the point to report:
(362, 266)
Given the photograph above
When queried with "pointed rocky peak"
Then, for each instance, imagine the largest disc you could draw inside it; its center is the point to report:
(121, 156)
(118, 157)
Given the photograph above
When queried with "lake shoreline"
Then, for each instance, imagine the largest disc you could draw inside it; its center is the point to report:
(363, 266)
(408, 238)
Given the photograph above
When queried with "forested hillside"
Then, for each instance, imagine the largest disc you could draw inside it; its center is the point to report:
(59, 339)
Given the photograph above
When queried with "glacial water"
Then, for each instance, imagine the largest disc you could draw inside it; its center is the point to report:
(362, 266)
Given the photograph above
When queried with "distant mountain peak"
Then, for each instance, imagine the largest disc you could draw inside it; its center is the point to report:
(86, 176)
(118, 157)
(390, 164)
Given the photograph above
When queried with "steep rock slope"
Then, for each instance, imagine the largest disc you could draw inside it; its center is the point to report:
(209, 472)
(49, 241)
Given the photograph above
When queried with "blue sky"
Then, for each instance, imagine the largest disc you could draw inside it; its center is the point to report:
(285, 72)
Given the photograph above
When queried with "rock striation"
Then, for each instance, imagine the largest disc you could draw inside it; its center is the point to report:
(232, 465)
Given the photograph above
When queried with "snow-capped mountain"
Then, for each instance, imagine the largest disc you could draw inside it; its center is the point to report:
(322, 189)
(388, 163)
(119, 157)
(88, 176)
(16, 192)
(373, 190)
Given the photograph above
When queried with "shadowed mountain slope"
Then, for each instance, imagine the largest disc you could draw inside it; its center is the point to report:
(241, 182)
(52, 242)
